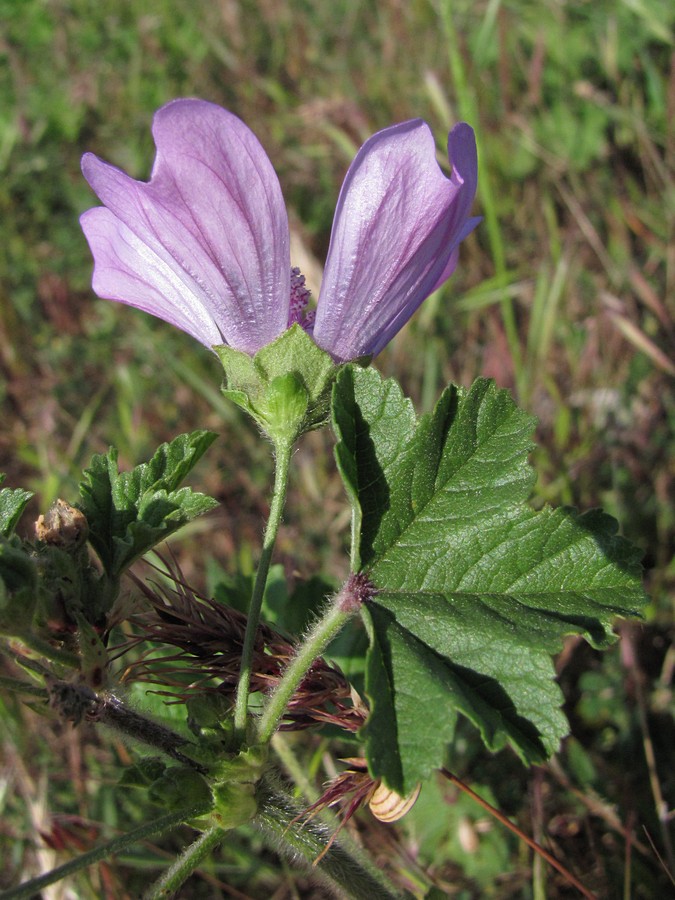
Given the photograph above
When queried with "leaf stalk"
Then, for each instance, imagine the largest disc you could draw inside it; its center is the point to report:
(187, 863)
(344, 605)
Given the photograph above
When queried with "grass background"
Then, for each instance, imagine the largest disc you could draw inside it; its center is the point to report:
(564, 294)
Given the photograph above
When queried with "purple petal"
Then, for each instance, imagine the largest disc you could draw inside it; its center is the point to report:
(129, 271)
(205, 244)
(397, 227)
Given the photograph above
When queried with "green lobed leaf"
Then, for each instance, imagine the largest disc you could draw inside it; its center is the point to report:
(474, 588)
(130, 512)
(425, 666)
(12, 504)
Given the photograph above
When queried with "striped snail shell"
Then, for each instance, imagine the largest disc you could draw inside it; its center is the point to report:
(388, 806)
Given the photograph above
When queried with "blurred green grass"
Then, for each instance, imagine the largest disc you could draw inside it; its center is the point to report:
(564, 293)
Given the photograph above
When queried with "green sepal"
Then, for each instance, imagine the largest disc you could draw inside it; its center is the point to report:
(207, 717)
(143, 773)
(244, 767)
(285, 387)
(60, 586)
(234, 804)
(175, 785)
(284, 407)
(93, 654)
(234, 790)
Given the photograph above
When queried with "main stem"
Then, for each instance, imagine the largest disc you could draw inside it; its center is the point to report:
(282, 465)
(348, 869)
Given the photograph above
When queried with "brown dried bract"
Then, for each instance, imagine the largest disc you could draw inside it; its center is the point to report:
(63, 526)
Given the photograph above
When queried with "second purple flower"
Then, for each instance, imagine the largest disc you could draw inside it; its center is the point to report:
(204, 245)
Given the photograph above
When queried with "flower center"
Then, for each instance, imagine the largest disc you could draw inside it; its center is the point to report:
(300, 295)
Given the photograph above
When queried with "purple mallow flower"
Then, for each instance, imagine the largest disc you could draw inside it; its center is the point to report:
(204, 244)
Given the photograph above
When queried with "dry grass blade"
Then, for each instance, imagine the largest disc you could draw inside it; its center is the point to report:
(521, 834)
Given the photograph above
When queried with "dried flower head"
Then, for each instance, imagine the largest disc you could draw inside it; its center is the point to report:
(208, 637)
(355, 788)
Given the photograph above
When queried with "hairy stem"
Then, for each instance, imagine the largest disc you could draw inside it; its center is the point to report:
(344, 605)
(116, 845)
(115, 714)
(283, 460)
(187, 863)
(350, 871)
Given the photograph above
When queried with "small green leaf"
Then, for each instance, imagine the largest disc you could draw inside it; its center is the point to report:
(96, 491)
(130, 512)
(12, 504)
(170, 465)
(475, 589)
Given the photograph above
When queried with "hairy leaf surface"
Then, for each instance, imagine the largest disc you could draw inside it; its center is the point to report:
(475, 589)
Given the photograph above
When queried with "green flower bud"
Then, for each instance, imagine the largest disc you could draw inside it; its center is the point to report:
(285, 387)
(235, 804)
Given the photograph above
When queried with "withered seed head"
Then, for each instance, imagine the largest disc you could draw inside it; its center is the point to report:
(209, 638)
